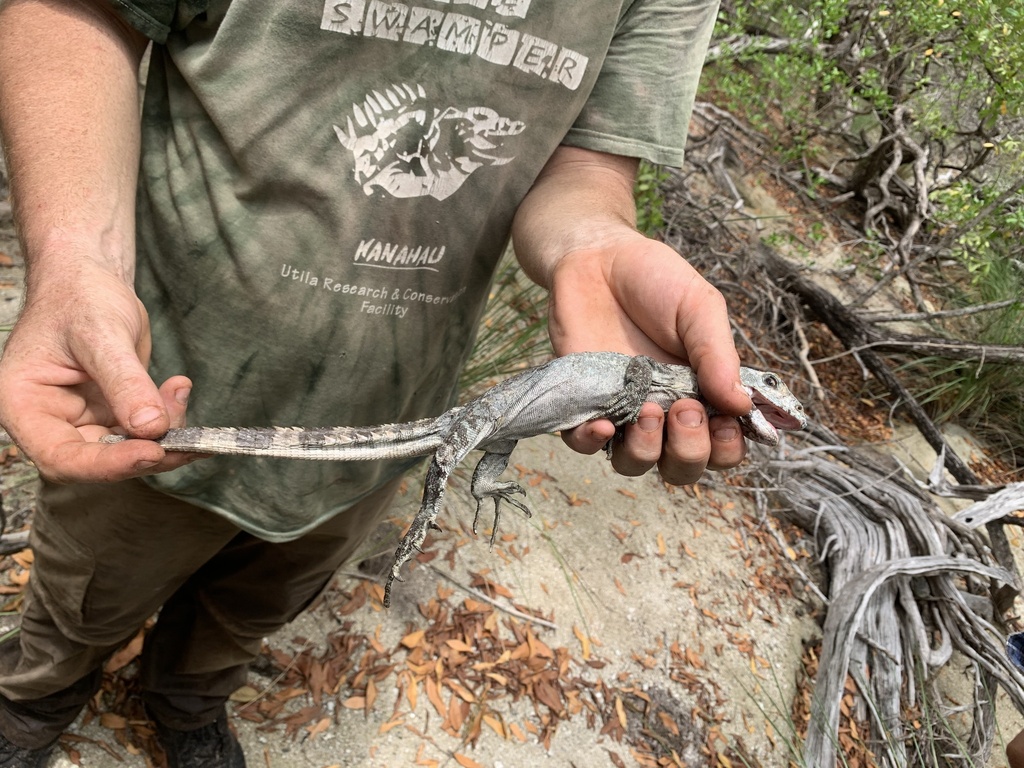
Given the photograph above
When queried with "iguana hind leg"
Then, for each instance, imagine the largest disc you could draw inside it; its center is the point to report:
(446, 458)
(486, 484)
(467, 430)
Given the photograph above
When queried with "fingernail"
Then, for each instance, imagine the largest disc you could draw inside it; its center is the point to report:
(690, 418)
(143, 465)
(144, 416)
(649, 423)
(181, 396)
(725, 433)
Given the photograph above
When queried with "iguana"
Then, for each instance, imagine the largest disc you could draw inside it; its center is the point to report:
(562, 394)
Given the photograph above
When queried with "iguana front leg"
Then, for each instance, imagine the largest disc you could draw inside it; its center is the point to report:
(625, 407)
(486, 484)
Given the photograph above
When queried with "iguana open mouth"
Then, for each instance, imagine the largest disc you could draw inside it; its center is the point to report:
(777, 417)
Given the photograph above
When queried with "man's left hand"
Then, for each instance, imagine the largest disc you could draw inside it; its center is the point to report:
(613, 289)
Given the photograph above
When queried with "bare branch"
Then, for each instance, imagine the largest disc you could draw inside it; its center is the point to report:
(883, 317)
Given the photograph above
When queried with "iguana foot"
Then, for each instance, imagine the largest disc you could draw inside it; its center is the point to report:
(486, 484)
(412, 542)
(499, 492)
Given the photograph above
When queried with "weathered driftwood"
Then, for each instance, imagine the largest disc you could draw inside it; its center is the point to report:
(848, 613)
(939, 485)
(999, 507)
(859, 336)
(907, 587)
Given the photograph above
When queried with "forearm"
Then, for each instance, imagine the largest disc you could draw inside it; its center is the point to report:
(69, 119)
(580, 198)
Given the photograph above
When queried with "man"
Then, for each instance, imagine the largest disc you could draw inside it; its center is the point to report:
(317, 195)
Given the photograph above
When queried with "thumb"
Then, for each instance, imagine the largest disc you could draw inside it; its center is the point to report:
(717, 366)
(703, 326)
(129, 392)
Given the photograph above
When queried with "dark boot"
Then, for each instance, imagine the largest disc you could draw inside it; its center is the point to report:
(209, 746)
(13, 756)
(40, 722)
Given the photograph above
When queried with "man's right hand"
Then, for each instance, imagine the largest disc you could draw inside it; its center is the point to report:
(74, 370)
(74, 367)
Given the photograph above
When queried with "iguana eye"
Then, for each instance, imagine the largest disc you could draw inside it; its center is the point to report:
(771, 380)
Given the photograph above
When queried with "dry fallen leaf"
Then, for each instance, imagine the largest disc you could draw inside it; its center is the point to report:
(377, 591)
(413, 639)
(461, 692)
(25, 558)
(113, 721)
(322, 725)
(420, 759)
(495, 725)
(618, 586)
(620, 711)
(584, 642)
(435, 697)
(245, 694)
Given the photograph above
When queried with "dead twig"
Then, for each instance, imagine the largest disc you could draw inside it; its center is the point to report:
(899, 317)
(804, 352)
(477, 595)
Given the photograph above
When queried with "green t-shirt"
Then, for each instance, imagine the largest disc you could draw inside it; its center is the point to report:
(326, 188)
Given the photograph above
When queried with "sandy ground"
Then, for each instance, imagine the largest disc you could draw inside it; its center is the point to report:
(626, 563)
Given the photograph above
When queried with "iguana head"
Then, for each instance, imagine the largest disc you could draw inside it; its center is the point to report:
(775, 407)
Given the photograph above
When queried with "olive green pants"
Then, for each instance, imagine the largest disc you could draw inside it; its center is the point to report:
(107, 557)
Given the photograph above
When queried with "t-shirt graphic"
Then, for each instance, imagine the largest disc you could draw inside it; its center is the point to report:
(407, 147)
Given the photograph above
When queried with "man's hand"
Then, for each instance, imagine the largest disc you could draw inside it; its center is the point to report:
(74, 366)
(639, 296)
(612, 289)
(74, 370)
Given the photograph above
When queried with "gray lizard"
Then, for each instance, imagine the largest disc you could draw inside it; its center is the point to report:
(560, 395)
